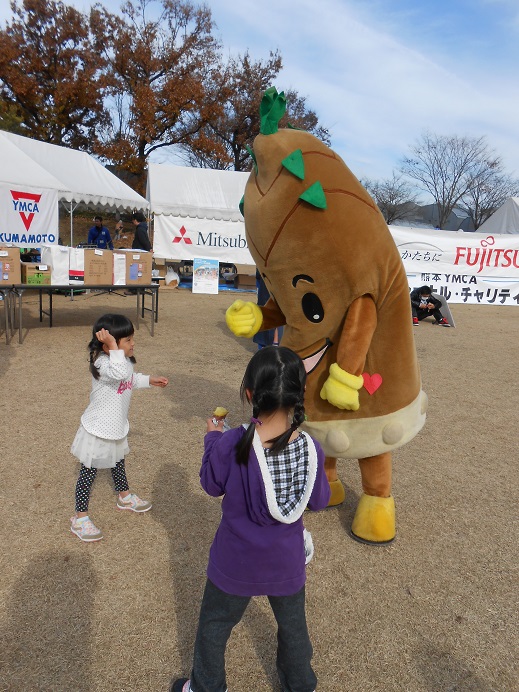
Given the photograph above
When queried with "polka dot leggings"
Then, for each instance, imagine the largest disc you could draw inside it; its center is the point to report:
(86, 479)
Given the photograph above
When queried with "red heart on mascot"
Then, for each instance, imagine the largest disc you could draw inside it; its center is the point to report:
(371, 382)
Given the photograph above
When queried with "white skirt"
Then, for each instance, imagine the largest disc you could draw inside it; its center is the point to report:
(96, 452)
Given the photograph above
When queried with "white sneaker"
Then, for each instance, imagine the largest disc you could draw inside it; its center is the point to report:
(133, 502)
(85, 529)
(309, 546)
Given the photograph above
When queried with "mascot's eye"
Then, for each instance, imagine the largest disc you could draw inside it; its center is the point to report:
(312, 307)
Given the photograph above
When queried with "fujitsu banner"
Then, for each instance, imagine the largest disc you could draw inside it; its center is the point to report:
(462, 267)
(187, 238)
(28, 216)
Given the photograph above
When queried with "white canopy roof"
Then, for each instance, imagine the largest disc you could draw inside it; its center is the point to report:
(200, 193)
(504, 220)
(20, 169)
(76, 175)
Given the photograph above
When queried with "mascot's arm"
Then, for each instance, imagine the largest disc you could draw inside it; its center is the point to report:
(272, 315)
(341, 388)
(247, 319)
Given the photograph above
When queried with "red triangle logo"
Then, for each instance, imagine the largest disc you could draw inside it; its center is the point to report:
(25, 197)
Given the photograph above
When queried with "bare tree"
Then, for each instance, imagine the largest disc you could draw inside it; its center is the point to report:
(488, 195)
(449, 168)
(394, 196)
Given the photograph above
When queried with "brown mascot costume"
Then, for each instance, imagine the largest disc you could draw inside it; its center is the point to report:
(338, 285)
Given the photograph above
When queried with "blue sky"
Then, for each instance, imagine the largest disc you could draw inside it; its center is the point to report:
(380, 72)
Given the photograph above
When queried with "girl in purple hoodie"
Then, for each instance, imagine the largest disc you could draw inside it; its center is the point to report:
(268, 472)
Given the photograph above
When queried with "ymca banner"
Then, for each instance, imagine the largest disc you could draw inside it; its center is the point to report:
(188, 238)
(463, 267)
(28, 216)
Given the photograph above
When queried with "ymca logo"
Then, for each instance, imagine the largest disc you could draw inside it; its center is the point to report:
(26, 204)
(182, 232)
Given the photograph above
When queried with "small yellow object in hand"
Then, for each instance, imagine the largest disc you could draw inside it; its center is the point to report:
(220, 412)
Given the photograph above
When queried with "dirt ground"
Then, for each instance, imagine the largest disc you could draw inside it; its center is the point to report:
(436, 610)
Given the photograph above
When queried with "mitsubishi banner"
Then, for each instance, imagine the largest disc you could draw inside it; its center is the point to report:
(188, 238)
(28, 216)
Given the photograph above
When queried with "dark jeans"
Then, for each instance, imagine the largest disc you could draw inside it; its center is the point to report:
(220, 612)
(422, 314)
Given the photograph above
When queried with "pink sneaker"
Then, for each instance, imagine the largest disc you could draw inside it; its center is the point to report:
(85, 529)
(133, 502)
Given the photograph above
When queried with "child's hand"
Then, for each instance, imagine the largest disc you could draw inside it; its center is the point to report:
(215, 424)
(159, 381)
(107, 339)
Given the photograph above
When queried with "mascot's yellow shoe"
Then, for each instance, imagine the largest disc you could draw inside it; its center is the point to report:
(338, 493)
(374, 520)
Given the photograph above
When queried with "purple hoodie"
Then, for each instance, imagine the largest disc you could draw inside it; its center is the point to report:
(256, 550)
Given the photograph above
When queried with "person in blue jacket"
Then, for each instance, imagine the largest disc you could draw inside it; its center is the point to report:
(268, 472)
(100, 235)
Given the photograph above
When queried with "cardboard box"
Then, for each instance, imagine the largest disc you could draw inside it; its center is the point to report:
(245, 281)
(99, 267)
(159, 264)
(164, 286)
(91, 267)
(36, 274)
(131, 267)
(10, 270)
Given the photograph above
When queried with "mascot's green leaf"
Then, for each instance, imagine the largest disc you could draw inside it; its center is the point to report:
(240, 205)
(267, 100)
(295, 163)
(272, 109)
(253, 157)
(315, 196)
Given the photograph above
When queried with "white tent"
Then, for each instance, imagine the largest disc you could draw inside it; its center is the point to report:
(84, 180)
(77, 176)
(20, 169)
(504, 220)
(28, 199)
(196, 213)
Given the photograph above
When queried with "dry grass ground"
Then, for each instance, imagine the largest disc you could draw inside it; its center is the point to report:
(437, 610)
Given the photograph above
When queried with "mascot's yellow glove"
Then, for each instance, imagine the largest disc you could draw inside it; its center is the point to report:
(341, 389)
(244, 319)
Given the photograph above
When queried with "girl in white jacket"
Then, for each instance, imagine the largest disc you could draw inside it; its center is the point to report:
(101, 441)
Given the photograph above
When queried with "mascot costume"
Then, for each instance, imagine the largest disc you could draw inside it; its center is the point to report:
(338, 286)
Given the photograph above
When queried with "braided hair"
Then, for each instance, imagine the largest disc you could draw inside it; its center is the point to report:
(276, 377)
(119, 327)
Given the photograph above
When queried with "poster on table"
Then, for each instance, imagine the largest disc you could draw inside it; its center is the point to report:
(28, 216)
(476, 268)
(205, 275)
